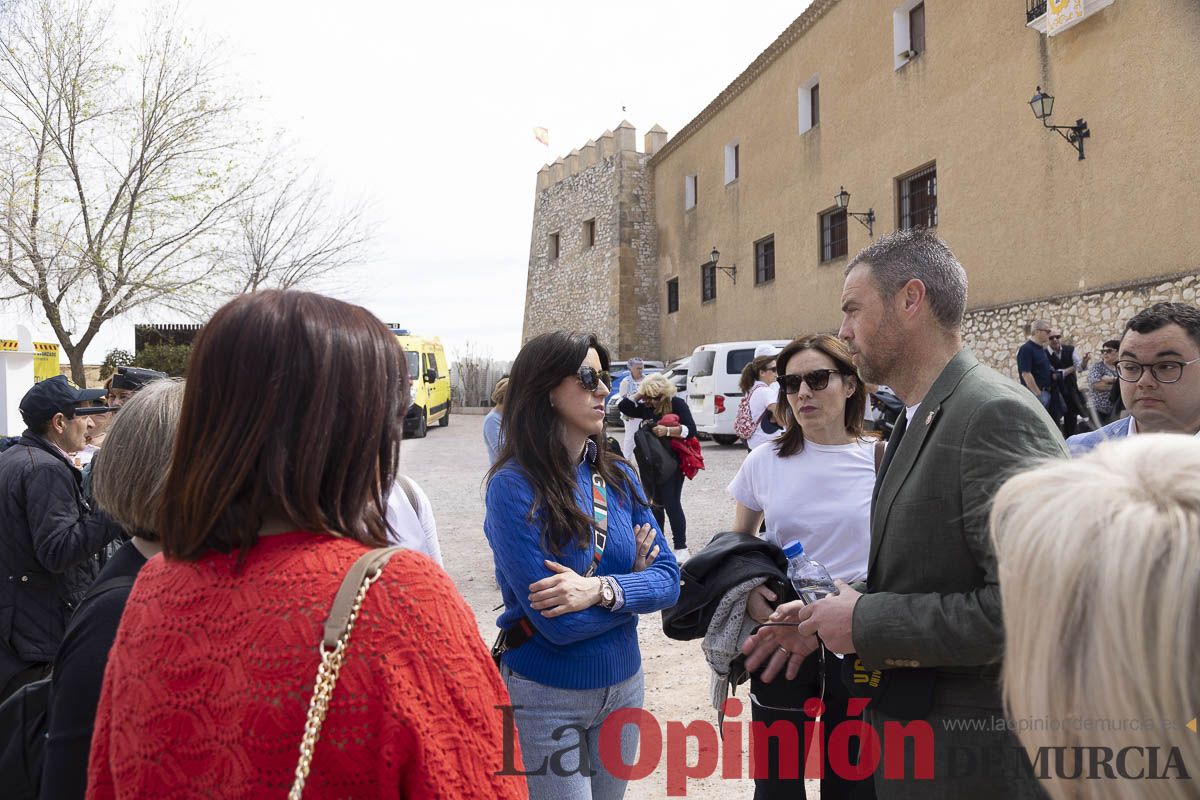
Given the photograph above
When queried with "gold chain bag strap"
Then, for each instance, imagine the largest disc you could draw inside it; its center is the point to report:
(338, 625)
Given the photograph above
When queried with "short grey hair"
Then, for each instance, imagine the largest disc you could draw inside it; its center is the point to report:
(1040, 325)
(898, 257)
(131, 469)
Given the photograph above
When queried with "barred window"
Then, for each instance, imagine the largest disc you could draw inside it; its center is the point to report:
(833, 234)
(918, 199)
(672, 295)
(708, 282)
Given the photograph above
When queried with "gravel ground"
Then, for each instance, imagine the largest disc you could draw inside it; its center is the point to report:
(450, 463)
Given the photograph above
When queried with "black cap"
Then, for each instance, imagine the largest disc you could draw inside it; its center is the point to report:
(135, 378)
(55, 395)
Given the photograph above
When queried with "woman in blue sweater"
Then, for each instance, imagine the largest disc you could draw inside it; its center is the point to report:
(578, 557)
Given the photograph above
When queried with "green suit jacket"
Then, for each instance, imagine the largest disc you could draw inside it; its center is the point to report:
(933, 596)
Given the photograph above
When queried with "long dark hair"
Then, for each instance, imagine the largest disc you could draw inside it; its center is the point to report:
(753, 371)
(792, 441)
(531, 432)
(294, 406)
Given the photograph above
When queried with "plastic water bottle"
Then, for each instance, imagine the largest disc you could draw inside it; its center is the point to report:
(809, 578)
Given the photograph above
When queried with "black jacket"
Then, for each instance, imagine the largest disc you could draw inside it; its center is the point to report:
(78, 674)
(728, 560)
(679, 408)
(49, 538)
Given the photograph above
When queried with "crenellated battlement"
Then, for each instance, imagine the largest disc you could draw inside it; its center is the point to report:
(621, 140)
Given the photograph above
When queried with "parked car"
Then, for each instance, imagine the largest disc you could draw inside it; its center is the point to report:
(713, 393)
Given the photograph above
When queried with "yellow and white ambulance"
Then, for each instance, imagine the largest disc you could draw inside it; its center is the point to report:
(429, 383)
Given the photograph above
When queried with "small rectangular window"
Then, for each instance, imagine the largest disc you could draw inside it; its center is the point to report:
(731, 162)
(672, 295)
(553, 247)
(916, 28)
(689, 192)
(833, 234)
(589, 234)
(918, 199)
(708, 282)
(808, 100)
(764, 260)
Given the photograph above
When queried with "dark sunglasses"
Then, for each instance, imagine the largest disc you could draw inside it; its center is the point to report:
(817, 380)
(1055, 337)
(592, 378)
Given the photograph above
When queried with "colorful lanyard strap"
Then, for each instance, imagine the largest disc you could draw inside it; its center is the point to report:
(600, 528)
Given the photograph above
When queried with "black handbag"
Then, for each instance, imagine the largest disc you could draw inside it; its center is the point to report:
(654, 458)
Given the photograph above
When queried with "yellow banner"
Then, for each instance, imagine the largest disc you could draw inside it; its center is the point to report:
(45, 358)
(1062, 14)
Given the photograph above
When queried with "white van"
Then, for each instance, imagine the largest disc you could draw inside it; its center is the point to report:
(713, 392)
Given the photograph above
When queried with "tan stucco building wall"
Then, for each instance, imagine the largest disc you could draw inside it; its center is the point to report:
(1026, 218)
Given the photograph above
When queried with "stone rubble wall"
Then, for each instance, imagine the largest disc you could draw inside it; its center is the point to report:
(610, 289)
(1086, 320)
(568, 293)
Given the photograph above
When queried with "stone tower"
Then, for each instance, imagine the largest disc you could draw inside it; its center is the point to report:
(592, 256)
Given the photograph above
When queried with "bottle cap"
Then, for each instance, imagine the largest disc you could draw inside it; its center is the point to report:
(793, 549)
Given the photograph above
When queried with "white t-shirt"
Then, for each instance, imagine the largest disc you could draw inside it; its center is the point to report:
(629, 387)
(761, 396)
(821, 496)
(414, 529)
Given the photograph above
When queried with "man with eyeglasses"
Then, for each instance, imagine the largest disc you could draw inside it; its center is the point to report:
(1033, 365)
(1068, 364)
(1158, 366)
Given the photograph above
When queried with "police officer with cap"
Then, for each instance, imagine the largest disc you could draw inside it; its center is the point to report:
(127, 381)
(49, 533)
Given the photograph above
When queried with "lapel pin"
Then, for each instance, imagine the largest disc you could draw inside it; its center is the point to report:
(929, 418)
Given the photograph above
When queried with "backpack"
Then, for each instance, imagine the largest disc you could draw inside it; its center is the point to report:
(24, 719)
(745, 424)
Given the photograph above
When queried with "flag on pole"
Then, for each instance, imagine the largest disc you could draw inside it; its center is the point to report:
(1062, 14)
(542, 135)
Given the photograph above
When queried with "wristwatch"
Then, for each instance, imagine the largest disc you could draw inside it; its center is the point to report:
(608, 595)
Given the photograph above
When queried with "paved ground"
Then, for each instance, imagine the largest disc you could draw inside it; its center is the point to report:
(450, 464)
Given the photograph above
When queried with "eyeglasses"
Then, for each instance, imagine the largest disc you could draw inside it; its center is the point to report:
(1052, 338)
(817, 380)
(592, 378)
(1163, 371)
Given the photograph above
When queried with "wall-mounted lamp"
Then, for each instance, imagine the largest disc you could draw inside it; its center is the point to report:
(842, 199)
(1043, 106)
(730, 271)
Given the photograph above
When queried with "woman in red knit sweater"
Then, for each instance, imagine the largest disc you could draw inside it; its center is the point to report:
(289, 430)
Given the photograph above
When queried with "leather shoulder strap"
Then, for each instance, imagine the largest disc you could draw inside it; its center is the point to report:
(368, 563)
(409, 491)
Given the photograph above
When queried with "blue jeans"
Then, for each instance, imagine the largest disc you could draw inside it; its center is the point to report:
(567, 722)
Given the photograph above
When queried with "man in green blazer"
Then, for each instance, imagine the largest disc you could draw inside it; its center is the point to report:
(930, 616)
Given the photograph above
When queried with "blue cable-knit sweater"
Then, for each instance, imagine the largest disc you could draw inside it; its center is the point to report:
(587, 649)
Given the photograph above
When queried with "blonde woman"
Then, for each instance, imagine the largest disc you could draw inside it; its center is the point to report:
(653, 401)
(1098, 562)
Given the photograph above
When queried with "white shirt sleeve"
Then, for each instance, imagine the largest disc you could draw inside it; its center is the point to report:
(743, 486)
(415, 529)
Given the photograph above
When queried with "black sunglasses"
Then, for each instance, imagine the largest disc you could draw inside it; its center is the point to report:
(817, 380)
(592, 378)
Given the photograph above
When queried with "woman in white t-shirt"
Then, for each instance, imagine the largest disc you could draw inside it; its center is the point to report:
(758, 384)
(813, 485)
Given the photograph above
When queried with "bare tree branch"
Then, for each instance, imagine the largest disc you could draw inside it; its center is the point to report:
(292, 234)
(120, 178)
